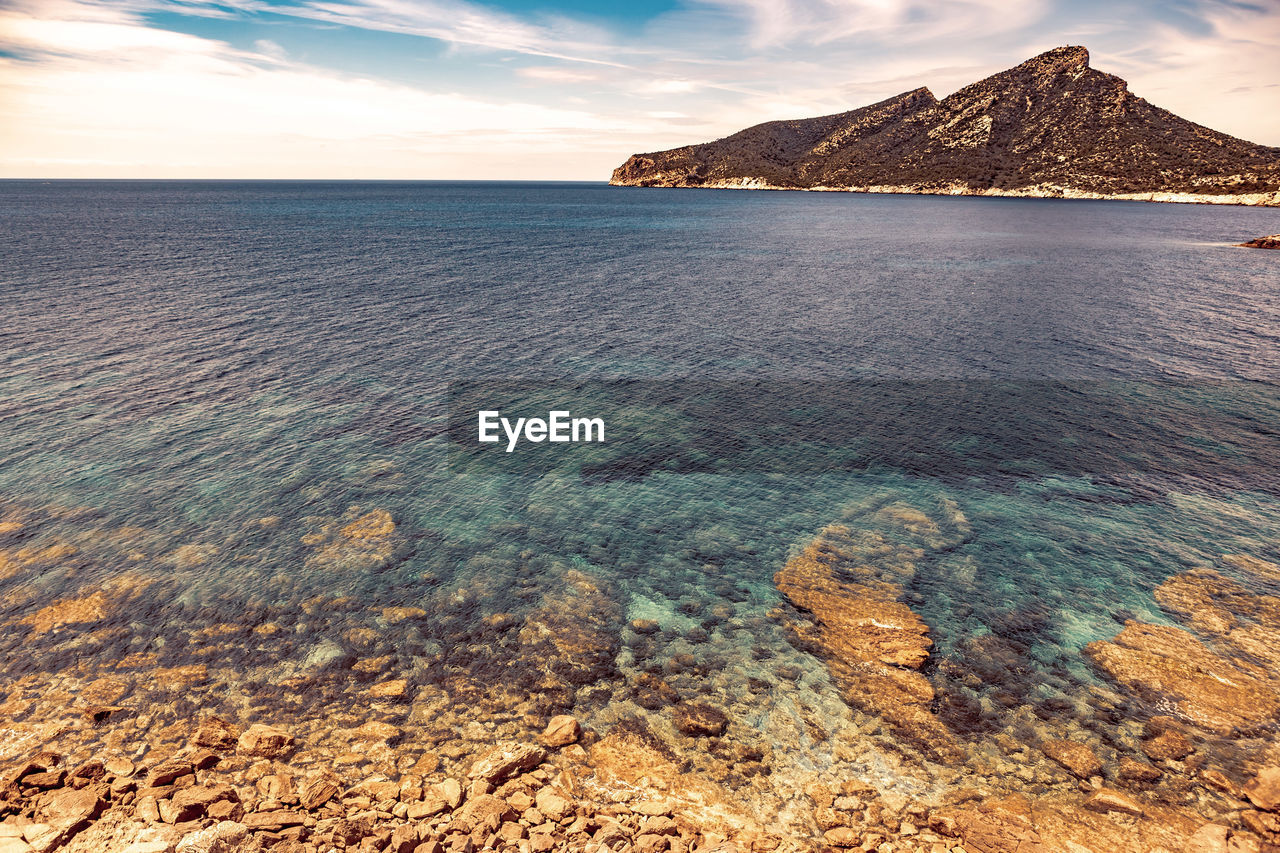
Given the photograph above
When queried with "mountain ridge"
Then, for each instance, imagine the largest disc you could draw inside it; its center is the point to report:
(1051, 126)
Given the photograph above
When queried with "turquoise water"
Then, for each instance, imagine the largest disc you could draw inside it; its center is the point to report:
(203, 382)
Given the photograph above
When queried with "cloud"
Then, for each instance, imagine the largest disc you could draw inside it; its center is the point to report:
(99, 88)
(109, 95)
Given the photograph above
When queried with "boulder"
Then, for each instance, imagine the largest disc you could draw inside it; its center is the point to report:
(561, 731)
(223, 837)
(317, 790)
(1168, 746)
(263, 741)
(216, 734)
(1132, 770)
(553, 805)
(505, 760)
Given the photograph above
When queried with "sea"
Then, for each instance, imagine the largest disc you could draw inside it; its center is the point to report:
(226, 402)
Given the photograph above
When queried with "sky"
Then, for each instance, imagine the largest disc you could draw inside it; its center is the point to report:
(532, 90)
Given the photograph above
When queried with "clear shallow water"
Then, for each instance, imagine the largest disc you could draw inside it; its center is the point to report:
(185, 360)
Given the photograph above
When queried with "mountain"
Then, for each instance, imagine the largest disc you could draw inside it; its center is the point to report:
(1051, 126)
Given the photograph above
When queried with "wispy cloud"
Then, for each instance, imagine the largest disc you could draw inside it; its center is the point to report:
(103, 88)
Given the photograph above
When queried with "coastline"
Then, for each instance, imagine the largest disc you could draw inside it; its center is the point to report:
(1268, 199)
(570, 726)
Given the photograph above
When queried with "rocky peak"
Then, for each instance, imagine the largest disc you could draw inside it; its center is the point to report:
(1068, 59)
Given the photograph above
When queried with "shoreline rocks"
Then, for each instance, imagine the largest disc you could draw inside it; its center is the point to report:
(1269, 242)
(873, 644)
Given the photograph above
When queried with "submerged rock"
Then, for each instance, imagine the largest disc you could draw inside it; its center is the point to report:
(698, 719)
(264, 741)
(1078, 759)
(1167, 666)
(362, 543)
(873, 644)
(575, 633)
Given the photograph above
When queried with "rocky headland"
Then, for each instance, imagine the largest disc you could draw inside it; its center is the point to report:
(1271, 242)
(136, 718)
(1052, 127)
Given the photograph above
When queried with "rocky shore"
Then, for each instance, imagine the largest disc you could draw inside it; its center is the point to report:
(825, 717)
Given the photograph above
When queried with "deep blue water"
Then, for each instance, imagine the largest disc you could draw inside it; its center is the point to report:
(189, 358)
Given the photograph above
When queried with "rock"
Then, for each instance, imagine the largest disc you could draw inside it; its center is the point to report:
(223, 837)
(698, 719)
(1079, 760)
(659, 825)
(274, 820)
(119, 766)
(397, 689)
(645, 626)
(449, 791)
(842, 836)
(871, 642)
(552, 805)
(480, 808)
(1167, 665)
(575, 633)
(561, 731)
(166, 772)
(376, 731)
(994, 832)
(327, 654)
(264, 741)
(1210, 838)
(191, 803)
(650, 843)
(505, 760)
(66, 812)
(373, 525)
(317, 790)
(66, 808)
(1107, 800)
(652, 807)
(1266, 824)
(216, 734)
(1168, 746)
(1271, 242)
(69, 611)
(14, 845)
(404, 839)
(1131, 770)
(145, 808)
(1263, 790)
(361, 544)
